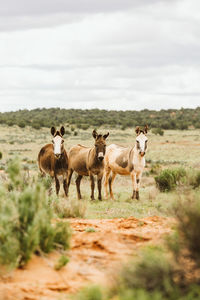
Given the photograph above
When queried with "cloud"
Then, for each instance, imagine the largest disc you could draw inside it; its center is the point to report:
(23, 14)
(111, 54)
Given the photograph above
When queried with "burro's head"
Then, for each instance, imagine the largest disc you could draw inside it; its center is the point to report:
(58, 142)
(100, 144)
(141, 140)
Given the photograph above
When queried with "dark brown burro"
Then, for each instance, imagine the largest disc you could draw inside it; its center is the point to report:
(88, 161)
(53, 159)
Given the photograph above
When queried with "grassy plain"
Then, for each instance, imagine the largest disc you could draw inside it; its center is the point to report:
(99, 245)
(174, 149)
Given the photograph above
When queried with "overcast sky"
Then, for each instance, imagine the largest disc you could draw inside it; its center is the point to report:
(111, 54)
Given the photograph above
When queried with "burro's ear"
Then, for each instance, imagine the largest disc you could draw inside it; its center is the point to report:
(105, 136)
(53, 130)
(94, 134)
(146, 128)
(62, 130)
(137, 130)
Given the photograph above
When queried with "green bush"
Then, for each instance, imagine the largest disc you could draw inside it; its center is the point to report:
(36, 125)
(188, 215)
(194, 179)
(158, 131)
(168, 179)
(62, 261)
(151, 272)
(90, 293)
(22, 124)
(25, 220)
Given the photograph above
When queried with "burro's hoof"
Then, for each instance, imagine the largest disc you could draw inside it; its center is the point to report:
(137, 195)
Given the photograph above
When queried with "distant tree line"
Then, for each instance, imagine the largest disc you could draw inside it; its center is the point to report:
(83, 119)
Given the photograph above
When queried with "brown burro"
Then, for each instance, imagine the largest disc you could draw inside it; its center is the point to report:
(53, 159)
(88, 161)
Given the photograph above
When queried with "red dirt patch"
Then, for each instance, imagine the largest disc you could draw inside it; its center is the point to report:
(93, 255)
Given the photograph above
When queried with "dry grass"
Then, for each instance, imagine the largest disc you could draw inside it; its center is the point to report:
(173, 149)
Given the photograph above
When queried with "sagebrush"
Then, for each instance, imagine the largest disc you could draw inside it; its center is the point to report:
(26, 219)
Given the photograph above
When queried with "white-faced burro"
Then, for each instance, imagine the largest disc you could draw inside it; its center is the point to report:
(88, 161)
(53, 159)
(126, 161)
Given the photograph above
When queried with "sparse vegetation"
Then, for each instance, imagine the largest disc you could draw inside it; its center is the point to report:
(89, 293)
(23, 195)
(90, 229)
(168, 179)
(25, 220)
(62, 261)
(158, 275)
(158, 131)
(69, 208)
(194, 178)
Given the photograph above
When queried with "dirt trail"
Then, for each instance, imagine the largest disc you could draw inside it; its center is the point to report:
(97, 247)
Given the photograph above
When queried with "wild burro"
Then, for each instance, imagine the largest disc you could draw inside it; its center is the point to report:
(53, 159)
(88, 161)
(126, 161)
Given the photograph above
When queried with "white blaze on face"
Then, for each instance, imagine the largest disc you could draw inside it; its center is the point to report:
(57, 141)
(141, 141)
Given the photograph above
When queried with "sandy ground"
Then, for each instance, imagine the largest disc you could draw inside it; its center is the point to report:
(94, 256)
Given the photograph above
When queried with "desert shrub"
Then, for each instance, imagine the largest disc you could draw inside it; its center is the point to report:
(1, 155)
(22, 124)
(187, 212)
(84, 126)
(157, 131)
(151, 272)
(72, 128)
(46, 181)
(62, 261)
(165, 181)
(25, 220)
(194, 179)
(179, 174)
(90, 293)
(36, 125)
(168, 179)
(69, 209)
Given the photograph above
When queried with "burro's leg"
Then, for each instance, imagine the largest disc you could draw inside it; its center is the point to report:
(78, 182)
(65, 185)
(99, 182)
(42, 173)
(106, 178)
(138, 180)
(57, 185)
(133, 178)
(69, 177)
(92, 186)
(111, 180)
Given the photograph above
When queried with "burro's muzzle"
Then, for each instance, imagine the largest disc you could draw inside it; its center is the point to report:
(142, 153)
(57, 155)
(100, 156)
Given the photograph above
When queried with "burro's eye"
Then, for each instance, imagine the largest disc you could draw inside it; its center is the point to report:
(53, 141)
(62, 141)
